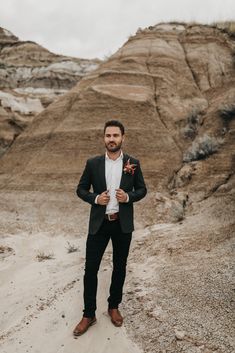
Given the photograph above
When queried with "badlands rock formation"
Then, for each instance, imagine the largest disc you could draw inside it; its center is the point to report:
(173, 88)
(31, 78)
(172, 85)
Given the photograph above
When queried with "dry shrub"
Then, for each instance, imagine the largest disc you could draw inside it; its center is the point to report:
(202, 148)
(42, 256)
(226, 26)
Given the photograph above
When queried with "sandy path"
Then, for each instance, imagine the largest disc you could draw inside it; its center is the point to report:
(41, 302)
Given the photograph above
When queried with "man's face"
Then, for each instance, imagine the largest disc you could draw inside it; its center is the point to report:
(113, 138)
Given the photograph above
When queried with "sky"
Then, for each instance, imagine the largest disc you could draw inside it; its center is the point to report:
(98, 28)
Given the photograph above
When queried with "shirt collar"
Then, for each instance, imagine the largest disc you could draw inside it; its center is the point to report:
(107, 157)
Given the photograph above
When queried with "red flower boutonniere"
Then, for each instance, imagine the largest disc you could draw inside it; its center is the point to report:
(129, 168)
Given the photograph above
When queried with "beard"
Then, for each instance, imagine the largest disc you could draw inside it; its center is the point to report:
(113, 147)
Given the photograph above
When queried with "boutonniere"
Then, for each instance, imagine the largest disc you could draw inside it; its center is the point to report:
(129, 168)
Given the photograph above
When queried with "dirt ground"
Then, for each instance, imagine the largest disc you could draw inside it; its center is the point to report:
(178, 293)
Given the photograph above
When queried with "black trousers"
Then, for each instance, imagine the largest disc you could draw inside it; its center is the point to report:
(95, 248)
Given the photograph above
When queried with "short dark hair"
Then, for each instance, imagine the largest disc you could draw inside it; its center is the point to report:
(114, 123)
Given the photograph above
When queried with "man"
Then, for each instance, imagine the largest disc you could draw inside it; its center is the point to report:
(117, 182)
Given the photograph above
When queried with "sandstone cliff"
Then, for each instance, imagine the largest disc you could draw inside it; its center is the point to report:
(31, 78)
(172, 85)
(173, 88)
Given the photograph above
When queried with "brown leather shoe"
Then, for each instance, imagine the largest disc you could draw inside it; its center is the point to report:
(84, 325)
(116, 317)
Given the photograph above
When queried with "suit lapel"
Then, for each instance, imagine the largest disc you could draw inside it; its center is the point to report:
(125, 158)
(102, 172)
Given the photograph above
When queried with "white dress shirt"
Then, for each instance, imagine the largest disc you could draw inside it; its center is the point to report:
(113, 174)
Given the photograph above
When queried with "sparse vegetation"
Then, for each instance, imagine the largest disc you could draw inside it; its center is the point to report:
(226, 26)
(190, 129)
(227, 111)
(71, 248)
(201, 149)
(42, 256)
(4, 249)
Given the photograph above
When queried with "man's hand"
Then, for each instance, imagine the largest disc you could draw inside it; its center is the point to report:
(103, 199)
(121, 195)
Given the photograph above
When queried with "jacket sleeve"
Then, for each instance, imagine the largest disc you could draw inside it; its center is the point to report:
(139, 190)
(83, 188)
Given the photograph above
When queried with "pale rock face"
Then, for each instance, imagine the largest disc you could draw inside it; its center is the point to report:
(126, 92)
(23, 105)
(36, 74)
(40, 91)
(169, 27)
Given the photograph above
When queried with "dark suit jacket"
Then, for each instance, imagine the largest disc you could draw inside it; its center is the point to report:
(94, 175)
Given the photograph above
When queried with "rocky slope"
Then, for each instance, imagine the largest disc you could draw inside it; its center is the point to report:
(172, 85)
(31, 78)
